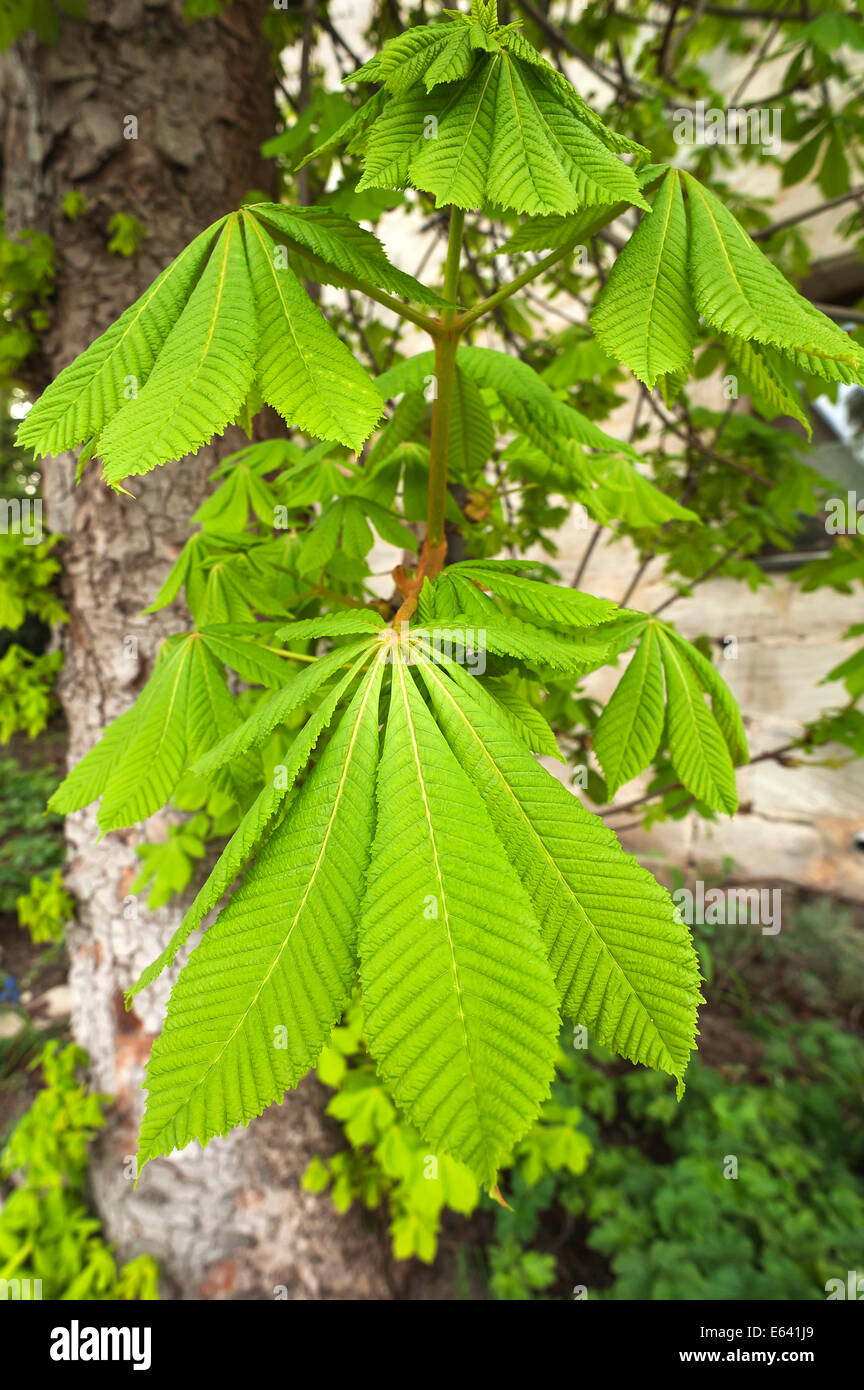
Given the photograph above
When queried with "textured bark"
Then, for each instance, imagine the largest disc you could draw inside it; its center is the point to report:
(230, 1220)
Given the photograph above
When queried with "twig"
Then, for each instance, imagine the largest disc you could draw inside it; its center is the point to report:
(762, 233)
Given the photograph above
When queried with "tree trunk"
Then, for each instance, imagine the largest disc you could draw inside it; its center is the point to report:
(229, 1220)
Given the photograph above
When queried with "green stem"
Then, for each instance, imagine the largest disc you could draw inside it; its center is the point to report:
(487, 305)
(446, 345)
(389, 301)
(454, 254)
(439, 443)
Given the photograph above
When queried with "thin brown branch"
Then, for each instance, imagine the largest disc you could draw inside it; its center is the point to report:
(762, 233)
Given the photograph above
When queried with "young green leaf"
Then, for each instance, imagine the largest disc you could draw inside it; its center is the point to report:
(303, 369)
(550, 603)
(741, 293)
(460, 1009)
(628, 732)
(184, 708)
(283, 949)
(696, 746)
(94, 387)
(256, 822)
(202, 374)
(723, 704)
(644, 316)
(485, 119)
(623, 963)
(337, 251)
(258, 727)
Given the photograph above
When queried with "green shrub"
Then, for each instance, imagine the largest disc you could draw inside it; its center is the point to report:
(26, 691)
(388, 1161)
(31, 841)
(46, 908)
(660, 1200)
(46, 1230)
(746, 1189)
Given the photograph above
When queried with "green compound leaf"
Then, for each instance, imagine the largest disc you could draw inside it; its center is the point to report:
(226, 322)
(139, 761)
(663, 689)
(93, 388)
(303, 369)
(460, 1008)
(248, 836)
(474, 115)
(202, 375)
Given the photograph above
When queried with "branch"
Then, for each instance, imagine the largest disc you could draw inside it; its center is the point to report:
(486, 305)
(762, 233)
(558, 36)
(736, 12)
(446, 339)
(703, 449)
(774, 754)
(425, 321)
(700, 579)
(839, 312)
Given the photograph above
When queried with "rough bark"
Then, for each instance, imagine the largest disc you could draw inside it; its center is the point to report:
(230, 1220)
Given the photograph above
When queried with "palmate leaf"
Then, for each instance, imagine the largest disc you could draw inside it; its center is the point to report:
(343, 624)
(202, 375)
(460, 987)
(521, 716)
(524, 394)
(345, 526)
(552, 604)
(226, 322)
(143, 755)
(472, 433)
(229, 507)
(338, 251)
(510, 637)
(723, 705)
(770, 379)
(229, 589)
(697, 748)
(474, 115)
(459, 1004)
(188, 569)
(687, 260)
(626, 493)
(663, 689)
(303, 370)
(622, 962)
(186, 719)
(282, 951)
(241, 646)
(259, 726)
